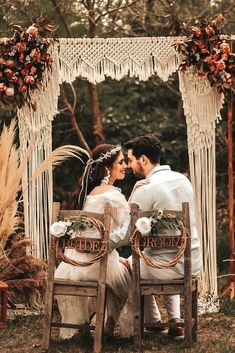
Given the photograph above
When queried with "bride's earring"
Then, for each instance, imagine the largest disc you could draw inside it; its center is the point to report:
(105, 180)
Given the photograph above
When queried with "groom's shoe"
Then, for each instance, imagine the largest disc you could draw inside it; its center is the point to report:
(161, 329)
(177, 333)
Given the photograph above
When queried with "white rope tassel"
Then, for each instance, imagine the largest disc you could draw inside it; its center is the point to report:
(36, 124)
(202, 171)
(202, 105)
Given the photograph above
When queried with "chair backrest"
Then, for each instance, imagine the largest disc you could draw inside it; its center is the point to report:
(98, 247)
(181, 241)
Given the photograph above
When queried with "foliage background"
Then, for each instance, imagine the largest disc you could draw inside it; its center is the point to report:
(127, 108)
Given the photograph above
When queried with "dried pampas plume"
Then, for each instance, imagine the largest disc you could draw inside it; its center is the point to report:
(16, 268)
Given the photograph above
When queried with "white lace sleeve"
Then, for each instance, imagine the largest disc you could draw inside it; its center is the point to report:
(120, 236)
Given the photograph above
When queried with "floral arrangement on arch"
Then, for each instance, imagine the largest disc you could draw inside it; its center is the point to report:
(23, 59)
(208, 52)
(153, 225)
(71, 228)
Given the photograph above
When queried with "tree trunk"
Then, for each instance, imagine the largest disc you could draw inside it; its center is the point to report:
(148, 17)
(96, 115)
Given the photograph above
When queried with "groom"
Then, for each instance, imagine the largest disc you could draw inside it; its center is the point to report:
(164, 189)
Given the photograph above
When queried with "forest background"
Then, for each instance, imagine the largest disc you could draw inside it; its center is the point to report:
(113, 111)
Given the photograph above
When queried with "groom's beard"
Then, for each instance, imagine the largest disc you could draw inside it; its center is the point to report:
(139, 171)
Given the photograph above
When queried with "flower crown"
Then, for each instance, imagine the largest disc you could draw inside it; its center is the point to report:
(108, 154)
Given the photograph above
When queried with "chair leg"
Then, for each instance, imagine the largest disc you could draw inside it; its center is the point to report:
(137, 303)
(142, 315)
(46, 331)
(100, 313)
(188, 319)
(194, 313)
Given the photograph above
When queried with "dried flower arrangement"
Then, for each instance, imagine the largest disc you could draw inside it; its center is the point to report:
(208, 52)
(23, 59)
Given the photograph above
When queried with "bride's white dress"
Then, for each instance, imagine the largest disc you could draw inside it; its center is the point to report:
(75, 309)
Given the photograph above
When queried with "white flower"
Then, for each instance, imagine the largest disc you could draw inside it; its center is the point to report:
(143, 225)
(58, 229)
(68, 222)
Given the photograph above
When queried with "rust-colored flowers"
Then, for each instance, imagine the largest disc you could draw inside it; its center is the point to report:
(210, 53)
(23, 59)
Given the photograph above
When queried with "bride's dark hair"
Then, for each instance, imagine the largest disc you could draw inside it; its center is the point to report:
(101, 157)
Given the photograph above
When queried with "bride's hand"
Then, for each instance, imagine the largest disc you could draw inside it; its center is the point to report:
(125, 262)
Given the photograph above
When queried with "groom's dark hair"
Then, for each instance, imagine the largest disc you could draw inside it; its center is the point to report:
(148, 145)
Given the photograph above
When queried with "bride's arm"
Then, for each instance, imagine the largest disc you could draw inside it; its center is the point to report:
(120, 236)
(121, 215)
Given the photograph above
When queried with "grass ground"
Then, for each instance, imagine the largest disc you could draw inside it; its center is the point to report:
(216, 334)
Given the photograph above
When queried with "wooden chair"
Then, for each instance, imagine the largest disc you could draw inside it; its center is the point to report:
(77, 288)
(187, 286)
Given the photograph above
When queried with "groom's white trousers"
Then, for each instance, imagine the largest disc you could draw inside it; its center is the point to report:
(172, 302)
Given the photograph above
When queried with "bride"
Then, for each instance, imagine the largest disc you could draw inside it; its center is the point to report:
(106, 165)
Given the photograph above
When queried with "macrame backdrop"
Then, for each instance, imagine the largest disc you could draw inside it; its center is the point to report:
(35, 125)
(202, 105)
(117, 57)
(94, 59)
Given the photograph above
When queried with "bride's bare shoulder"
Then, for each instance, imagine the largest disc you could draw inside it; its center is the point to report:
(100, 189)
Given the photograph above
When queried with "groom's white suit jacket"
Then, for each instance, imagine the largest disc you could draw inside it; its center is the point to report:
(164, 189)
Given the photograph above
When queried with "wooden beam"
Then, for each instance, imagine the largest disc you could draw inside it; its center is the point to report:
(231, 186)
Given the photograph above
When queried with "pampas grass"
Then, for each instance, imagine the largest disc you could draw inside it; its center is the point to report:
(57, 156)
(9, 182)
(13, 259)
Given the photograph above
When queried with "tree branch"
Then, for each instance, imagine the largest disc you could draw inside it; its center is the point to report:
(74, 121)
(115, 10)
(56, 6)
(19, 8)
(172, 89)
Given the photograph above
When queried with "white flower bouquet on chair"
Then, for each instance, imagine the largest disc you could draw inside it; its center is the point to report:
(153, 225)
(71, 228)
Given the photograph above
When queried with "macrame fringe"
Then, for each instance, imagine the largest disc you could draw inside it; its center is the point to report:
(95, 59)
(202, 104)
(202, 171)
(35, 124)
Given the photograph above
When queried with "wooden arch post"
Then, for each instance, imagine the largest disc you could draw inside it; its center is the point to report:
(230, 284)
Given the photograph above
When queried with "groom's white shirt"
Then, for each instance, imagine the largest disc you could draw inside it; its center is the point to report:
(165, 189)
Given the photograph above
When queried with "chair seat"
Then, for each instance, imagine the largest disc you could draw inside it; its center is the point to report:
(75, 283)
(153, 286)
(78, 288)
